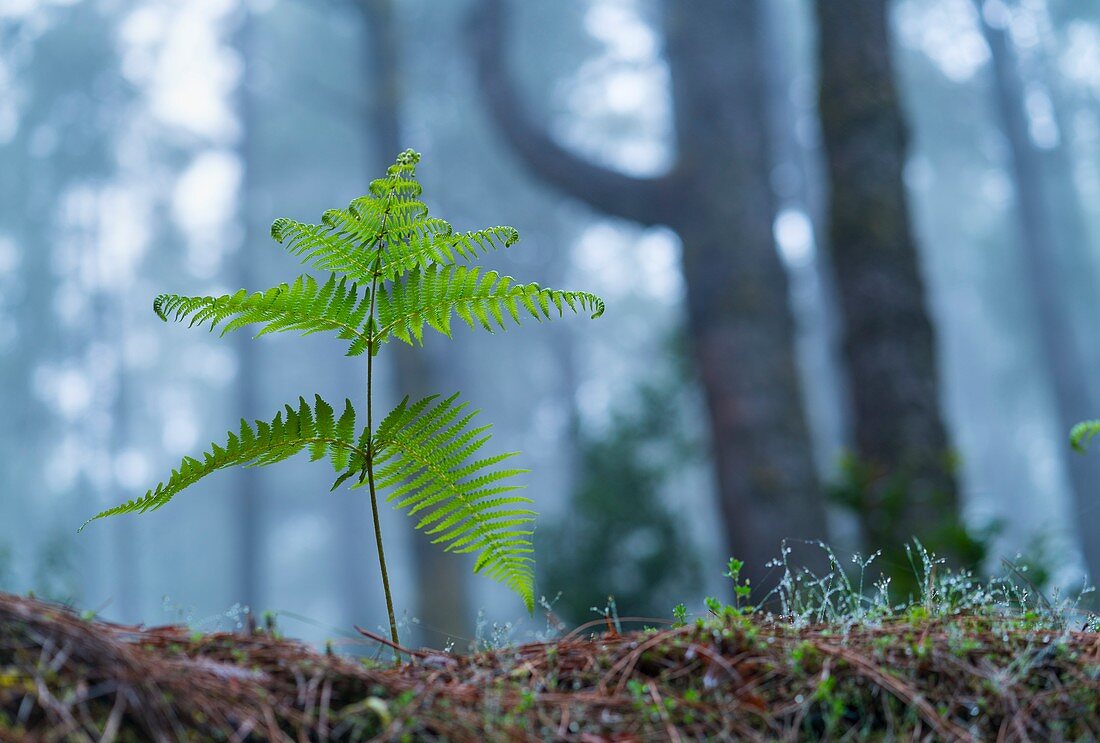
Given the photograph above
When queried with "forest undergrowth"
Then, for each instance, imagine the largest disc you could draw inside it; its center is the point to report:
(822, 657)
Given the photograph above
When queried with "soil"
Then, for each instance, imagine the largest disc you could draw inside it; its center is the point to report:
(967, 677)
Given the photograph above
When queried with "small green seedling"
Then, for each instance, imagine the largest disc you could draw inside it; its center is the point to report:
(741, 588)
(393, 271)
(679, 613)
(741, 592)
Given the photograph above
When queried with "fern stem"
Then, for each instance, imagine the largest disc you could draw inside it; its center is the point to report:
(371, 340)
(374, 506)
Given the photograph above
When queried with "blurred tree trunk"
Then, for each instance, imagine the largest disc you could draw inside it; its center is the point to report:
(441, 578)
(1070, 373)
(718, 200)
(901, 481)
(109, 331)
(1079, 262)
(247, 482)
(798, 180)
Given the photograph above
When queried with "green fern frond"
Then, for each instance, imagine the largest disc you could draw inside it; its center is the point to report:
(439, 244)
(434, 294)
(326, 247)
(1082, 433)
(304, 306)
(424, 458)
(291, 431)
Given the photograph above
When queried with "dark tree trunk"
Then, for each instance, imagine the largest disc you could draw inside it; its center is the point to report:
(441, 578)
(718, 200)
(1075, 397)
(905, 486)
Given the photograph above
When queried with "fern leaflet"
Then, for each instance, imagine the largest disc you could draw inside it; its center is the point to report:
(324, 249)
(291, 431)
(421, 251)
(433, 295)
(304, 306)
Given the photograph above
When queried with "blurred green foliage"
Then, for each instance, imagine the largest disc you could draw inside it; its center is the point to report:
(619, 538)
(882, 500)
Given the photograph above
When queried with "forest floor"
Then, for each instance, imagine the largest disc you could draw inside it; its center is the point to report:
(964, 676)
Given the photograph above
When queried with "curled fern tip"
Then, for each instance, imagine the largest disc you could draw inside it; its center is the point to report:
(158, 307)
(1082, 433)
(278, 229)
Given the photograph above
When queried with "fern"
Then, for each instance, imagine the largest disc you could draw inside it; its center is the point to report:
(1082, 433)
(393, 268)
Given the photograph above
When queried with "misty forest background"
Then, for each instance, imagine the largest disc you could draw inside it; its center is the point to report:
(850, 252)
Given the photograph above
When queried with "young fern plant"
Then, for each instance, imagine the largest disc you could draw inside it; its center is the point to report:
(394, 272)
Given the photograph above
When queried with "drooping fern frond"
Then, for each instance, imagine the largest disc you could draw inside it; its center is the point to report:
(1082, 433)
(424, 455)
(304, 306)
(291, 431)
(435, 294)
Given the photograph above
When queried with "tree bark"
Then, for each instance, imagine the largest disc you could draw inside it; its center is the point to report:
(906, 487)
(1075, 397)
(718, 200)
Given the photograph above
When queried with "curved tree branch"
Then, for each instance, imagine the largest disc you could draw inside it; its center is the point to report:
(642, 200)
